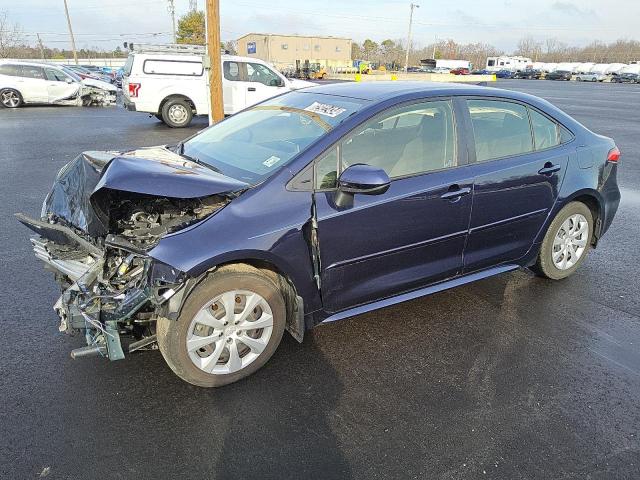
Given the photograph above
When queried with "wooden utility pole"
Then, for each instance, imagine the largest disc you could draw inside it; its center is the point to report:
(212, 15)
(172, 11)
(41, 46)
(73, 40)
(406, 58)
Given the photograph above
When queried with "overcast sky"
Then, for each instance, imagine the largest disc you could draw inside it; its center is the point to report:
(107, 23)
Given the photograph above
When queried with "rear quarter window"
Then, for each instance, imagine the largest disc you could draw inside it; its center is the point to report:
(172, 67)
(8, 69)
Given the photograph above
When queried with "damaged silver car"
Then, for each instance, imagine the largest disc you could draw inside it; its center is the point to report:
(39, 83)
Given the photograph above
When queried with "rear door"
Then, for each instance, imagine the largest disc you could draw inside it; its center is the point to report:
(262, 83)
(33, 84)
(413, 234)
(520, 161)
(234, 87)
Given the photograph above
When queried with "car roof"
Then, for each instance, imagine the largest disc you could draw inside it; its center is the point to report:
(31, 64)
(378, 91)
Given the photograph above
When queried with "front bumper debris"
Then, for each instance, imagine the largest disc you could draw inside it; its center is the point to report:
(106, 292)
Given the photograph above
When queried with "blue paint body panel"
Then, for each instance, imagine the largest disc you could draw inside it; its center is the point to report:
(409, 240)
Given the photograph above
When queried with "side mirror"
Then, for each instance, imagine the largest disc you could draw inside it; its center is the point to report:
(276, 82)
(362, 179)
(68, 80)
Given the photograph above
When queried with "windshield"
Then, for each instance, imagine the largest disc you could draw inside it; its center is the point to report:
(252, 145)
(72, 74)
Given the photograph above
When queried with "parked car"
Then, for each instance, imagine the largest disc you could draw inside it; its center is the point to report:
(504, 74)
(481, 72)
(529, 74)
(443, 70)
(590, 77)
(32, 82)
(460, 71)
(559, 75)
(626, 78)
(83, 73)
(170, 83)
(302, 210)
(414, 69)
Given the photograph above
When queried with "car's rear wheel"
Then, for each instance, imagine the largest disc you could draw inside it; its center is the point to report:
(229, 326)
(177, 112)
(10, 98)
(566, 242)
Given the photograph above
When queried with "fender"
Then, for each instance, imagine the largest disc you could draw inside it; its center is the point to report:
(258, 236)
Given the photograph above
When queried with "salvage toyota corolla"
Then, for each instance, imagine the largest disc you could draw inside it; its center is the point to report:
(315, 206)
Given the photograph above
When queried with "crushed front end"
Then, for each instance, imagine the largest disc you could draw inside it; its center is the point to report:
(97, 225)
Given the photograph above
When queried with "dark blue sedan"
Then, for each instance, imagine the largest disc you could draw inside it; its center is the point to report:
(312, 207)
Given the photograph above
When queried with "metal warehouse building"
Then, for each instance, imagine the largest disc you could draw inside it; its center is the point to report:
(283, 50)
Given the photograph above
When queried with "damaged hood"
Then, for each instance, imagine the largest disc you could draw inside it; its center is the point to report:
(92, 82)
(81, 191)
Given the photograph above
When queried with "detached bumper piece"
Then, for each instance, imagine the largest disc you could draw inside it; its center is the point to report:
(107, 292)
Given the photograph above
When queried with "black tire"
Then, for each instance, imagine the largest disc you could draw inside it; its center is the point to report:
(544, 266)
(173, 106)
(10, 98)
(172, 335)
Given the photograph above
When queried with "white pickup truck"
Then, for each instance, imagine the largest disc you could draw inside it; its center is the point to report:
(170, 82)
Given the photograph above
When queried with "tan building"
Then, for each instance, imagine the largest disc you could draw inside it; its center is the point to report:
(283, 50)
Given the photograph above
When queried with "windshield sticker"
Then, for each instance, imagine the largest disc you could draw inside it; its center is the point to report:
(325, 109)
(271, 161)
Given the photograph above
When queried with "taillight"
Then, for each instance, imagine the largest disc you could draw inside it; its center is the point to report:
(614, 155)
(134, 88)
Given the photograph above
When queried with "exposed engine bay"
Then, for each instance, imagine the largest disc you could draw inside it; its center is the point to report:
(88, 96)
(105, 212)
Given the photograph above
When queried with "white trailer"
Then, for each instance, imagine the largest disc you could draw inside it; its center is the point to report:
(450, 64)
(508, 63)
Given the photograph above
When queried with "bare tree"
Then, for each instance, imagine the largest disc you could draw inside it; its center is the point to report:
(10, 35)
(529, 47)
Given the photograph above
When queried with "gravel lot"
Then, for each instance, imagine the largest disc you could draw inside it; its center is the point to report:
(513, 377)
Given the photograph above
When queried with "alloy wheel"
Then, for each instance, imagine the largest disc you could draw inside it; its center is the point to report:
(570, 241)
(229, 332)
(10, 99)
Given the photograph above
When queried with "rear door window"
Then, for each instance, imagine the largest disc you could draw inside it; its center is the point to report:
(32, 72)
(231, 71)
(500, 129)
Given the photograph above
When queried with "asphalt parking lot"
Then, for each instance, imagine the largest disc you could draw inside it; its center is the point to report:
(513, 377)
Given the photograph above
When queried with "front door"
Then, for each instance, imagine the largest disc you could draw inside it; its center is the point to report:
(413, 234)
(519, 165)
(60, 86)
(261, 83)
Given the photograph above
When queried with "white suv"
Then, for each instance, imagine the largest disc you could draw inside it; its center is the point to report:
(170, 82)
(36, 82)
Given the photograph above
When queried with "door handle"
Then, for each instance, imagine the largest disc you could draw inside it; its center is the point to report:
(252, 89)
(549, 168)
(455, 192)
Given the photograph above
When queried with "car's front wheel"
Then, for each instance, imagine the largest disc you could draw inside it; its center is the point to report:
(229, 326)
(566, 242)
(10, 98)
